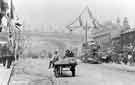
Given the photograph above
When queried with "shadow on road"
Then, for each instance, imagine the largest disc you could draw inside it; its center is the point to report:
(67, 75)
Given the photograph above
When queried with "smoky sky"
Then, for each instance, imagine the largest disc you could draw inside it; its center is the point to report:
(63, 12)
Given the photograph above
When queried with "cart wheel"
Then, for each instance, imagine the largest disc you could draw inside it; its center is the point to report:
(60, 71)
(73, 70)
(73, 73)
(56, 73)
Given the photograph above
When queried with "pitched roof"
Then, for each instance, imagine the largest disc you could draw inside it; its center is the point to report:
(129, 30)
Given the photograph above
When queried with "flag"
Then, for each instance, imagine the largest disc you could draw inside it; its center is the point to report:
(80, 21)
(89, 12)
(12, 10)
(10, 16)
(1, 15)
(86, 26)
(1, 4)
(18, 25)
(94, 23)
(69, 28)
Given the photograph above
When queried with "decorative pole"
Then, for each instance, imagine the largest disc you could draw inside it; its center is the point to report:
(86, 33)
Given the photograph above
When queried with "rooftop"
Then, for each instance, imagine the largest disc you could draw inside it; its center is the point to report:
(130, 30)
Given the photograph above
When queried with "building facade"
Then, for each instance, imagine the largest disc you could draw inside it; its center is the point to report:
(128, 39)
(103, 40)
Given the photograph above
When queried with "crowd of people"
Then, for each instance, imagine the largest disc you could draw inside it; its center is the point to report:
(6, 56)
(124, 57)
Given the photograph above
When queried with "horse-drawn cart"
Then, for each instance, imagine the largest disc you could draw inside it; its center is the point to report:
(59, 66)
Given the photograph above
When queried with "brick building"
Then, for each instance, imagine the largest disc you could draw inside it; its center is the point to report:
(108, 35)
(128, 38)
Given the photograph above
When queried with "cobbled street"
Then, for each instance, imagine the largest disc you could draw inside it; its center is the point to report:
(36, 72)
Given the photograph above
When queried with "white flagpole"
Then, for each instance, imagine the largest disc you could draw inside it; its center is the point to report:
(86, 32)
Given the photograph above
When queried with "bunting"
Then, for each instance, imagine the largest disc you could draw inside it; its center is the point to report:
(18, 25)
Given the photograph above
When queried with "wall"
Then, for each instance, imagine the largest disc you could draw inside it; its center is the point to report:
(127, 38)
(104, 40)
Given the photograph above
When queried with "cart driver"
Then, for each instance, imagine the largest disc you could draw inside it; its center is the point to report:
(54, 58)
(67, 53)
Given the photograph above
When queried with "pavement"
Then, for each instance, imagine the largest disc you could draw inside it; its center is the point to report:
(121, 67)
(4, 75)
(31, 72)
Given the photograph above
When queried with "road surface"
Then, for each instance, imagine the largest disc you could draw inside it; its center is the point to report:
(35, 72)
(4, 74)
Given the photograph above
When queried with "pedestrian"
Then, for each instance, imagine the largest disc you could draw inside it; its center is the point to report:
(54, 59)
(129, 58)
(17, 56)
(3, 54)
(67, 53)
(133, 56)
(125, 60)
(71, 54)
(0, 54)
